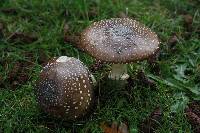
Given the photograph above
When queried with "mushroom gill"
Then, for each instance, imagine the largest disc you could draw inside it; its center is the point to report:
(64, 88)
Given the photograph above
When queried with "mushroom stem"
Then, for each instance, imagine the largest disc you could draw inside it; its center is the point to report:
(119, 72)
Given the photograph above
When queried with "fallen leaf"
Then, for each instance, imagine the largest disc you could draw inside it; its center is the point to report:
(173, 40)
(22, 37)
(194, 120)
(73, 39)
(188, 19)
(145, 80)
(12, 74)
(1, 26)
(1, 81)
(43, 58)
(150, 124)
(114, 128)
(107, 129)
(193, 115)
(154, 66)
(195, 107)
(19, 74)
(11, 11)
(131, 82)
(123, 128)
(1, 30)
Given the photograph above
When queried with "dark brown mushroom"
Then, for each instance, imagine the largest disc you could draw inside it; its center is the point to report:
(64, 88)
(119, 41)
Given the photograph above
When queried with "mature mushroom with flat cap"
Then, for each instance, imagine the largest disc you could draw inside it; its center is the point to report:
(64, 88)
(119, 41)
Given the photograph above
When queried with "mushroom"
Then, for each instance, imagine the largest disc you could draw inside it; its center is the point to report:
(119, 41)
(64, 88)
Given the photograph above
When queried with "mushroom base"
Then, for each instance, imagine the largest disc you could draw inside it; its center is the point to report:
(119, 72)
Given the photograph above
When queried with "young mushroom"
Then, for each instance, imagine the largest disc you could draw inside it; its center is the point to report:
(119, 41)
(64, 88)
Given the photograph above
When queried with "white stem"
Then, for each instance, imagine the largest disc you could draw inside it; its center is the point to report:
(119, 72)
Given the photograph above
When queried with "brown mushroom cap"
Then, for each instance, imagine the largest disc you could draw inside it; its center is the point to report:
(119, 40)
(64, 88)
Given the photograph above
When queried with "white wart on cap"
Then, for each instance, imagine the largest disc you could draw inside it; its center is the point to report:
(64, 88)
(119, 40)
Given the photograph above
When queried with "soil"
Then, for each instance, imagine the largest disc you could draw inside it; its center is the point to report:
(193, 115)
